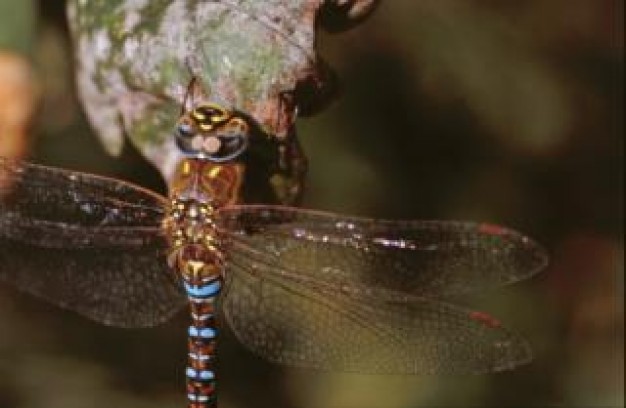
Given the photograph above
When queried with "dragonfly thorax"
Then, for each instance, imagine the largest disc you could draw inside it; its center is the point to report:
(190, 229)
(200, 186)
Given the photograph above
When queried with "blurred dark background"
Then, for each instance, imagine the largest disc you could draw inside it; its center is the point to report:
(502, 111)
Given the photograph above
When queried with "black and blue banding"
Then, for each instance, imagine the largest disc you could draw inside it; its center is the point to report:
(203, 291)
(206, 333)
(202, 334)
(200, 375)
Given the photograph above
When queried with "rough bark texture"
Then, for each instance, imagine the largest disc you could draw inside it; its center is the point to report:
(134, 59)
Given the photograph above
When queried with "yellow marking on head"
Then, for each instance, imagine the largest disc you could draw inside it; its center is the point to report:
(198, 116)
(224, 114)
(205, 126)
(238, 124)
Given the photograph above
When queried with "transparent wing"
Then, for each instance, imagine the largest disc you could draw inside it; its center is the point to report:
(86, 243)
(378, 259)
(290, 323)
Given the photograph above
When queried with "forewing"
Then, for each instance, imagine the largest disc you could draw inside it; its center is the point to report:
(374, 258)
(86, 243)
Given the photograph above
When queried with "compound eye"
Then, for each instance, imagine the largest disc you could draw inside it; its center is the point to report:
(185, 129)
(187, 136)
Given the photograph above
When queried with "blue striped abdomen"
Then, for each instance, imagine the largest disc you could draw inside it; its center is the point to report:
(202, 340)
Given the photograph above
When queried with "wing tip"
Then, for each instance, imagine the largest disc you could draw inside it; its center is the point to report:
(518, 353)
(540, 257)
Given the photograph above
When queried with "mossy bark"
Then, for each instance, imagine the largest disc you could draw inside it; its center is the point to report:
(135, 59)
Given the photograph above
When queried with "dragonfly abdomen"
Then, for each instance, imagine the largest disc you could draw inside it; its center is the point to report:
(203, 332)
(199, 269)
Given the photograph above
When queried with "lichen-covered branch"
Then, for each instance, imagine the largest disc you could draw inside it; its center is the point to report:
(135, 59)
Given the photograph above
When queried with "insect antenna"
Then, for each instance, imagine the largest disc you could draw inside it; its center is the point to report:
(190, 86)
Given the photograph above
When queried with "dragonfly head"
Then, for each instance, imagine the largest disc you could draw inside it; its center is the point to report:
(211, 132)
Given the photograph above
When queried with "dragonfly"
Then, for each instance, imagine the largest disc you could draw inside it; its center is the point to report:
(298, 287)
